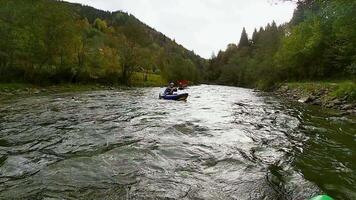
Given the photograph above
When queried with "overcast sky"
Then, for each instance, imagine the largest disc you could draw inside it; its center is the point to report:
(204, 26)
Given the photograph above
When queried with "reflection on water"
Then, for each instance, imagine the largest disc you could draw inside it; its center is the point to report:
(328, 157)
(223, 143)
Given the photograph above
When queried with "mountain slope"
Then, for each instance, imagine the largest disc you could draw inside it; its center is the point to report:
(47, 41)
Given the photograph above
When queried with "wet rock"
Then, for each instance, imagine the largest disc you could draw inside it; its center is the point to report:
(353, 111)
(321, 93)
(336, 102)
(36, 91)
(343, 113)
(347, 107)
(316, 102)
(306, 99)
(329, 105)
(284, 88)
(345, 98)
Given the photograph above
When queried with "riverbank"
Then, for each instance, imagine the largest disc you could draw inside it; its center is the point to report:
(13, 89)
(138, 80)
(337, 95)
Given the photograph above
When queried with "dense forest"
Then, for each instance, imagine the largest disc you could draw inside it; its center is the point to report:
(319, 43)
(50, 42)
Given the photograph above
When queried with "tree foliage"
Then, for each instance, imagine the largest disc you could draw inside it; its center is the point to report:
(319, 43)
(48, 41)
(244, 39)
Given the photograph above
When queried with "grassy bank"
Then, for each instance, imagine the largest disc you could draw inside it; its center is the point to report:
(153, 80)
(329, 90)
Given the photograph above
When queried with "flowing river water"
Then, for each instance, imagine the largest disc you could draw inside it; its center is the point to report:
(223, 143)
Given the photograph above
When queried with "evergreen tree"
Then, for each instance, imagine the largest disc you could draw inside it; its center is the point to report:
(254, 36)
(244, 39)
(274, 26)
(261, 30)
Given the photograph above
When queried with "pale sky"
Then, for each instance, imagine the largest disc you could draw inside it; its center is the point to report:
(204, 26)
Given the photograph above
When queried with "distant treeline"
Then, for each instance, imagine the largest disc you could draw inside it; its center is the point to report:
(318, 44)
(48, 41)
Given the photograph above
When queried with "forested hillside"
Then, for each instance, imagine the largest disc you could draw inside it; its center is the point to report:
(48, 41)
(319, 43)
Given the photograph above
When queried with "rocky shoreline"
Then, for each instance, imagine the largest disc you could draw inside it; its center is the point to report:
(319, 97)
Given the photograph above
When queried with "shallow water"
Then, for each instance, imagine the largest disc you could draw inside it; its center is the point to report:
(223, 143)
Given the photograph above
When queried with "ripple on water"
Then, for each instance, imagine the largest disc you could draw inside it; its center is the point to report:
(223, 143)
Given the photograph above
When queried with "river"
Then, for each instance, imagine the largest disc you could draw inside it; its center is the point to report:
(223, 143)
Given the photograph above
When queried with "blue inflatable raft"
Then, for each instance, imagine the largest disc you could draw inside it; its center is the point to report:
(175, 97)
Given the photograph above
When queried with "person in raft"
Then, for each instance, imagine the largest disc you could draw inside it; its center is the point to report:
(170, 89)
